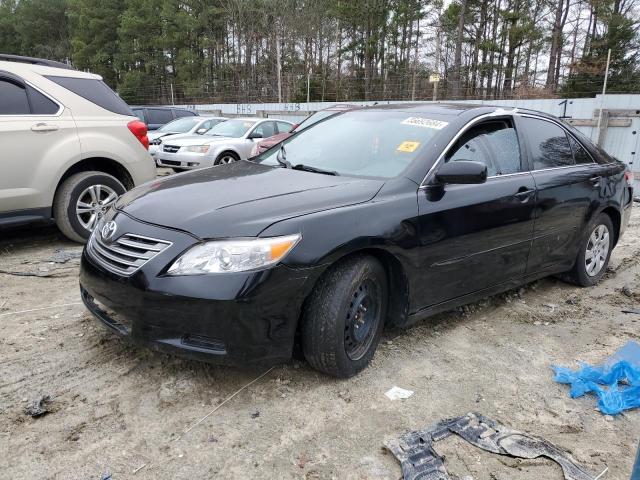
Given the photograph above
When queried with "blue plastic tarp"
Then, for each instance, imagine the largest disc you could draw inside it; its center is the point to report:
(616, 382)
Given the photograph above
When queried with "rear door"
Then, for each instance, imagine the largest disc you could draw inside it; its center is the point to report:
(35, 133)
(473, 237)
(567, 182)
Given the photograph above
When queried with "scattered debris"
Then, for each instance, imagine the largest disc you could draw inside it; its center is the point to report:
(139, 468)
(632, 310)
(64, 256)
(619, 375)
(255, 414)
(626, 291)
(397, 393)
(39, 407)
(212, 439)
(419, 460)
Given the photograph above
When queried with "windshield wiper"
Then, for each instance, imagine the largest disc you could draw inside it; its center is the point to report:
(281, 157)
(307, 168)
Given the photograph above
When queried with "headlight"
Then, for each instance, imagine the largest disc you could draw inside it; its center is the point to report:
(221, 256)
(197, 148)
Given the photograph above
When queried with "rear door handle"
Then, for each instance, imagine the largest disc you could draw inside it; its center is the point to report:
(44, 127)
(595, 181)
(524, 194)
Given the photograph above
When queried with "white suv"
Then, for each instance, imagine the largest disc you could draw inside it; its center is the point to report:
(70, 146)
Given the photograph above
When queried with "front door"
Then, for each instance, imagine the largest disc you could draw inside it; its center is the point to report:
(474, 237)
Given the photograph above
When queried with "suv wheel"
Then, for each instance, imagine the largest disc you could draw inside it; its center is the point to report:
(595, 251)
(82, 200)
(344, 316)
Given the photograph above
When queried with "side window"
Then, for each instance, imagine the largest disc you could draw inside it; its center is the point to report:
(183, 113)
(267, 129)
(140, 114)
(493, 143)
(159, 116)
(549, 144)
(283, 127)
(207, 125)
(579, 153)
(41, 105)
(13, 99)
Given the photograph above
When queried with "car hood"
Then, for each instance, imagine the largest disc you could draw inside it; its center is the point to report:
(240, 199)
(195, 139)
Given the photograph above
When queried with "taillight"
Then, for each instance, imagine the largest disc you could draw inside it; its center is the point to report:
(139, 130)
(628, 176)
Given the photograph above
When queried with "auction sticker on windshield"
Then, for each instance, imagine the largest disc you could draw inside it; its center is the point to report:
(425, 122)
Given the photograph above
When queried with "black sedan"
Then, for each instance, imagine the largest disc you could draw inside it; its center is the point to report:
(381, 216)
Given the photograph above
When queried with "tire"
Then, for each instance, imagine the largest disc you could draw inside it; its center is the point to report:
(71, 191)
(225, 158)
(585, 272)
(329, 328)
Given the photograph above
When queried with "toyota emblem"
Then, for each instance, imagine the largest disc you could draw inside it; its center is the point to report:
(109, 230)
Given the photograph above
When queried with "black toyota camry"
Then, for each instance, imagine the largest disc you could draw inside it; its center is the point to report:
(375, 217)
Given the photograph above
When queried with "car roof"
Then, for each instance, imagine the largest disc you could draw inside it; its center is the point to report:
(20, 68)
(162, 107)
(452, 109)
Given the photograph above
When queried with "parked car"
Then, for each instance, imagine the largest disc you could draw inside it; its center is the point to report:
(376, 217)
(267, 143)
(155, 117)
(225, 143)
(70, 146)
(182, 126)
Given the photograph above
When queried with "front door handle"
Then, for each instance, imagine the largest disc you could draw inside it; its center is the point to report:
(44, 127)
(595, 181)
(524, 194)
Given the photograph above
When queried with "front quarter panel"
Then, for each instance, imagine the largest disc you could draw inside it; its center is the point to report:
(387, 222)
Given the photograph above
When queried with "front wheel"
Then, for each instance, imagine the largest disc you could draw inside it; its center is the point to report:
(225, 158)
(595, 251)
(344, 316)
(82, 200)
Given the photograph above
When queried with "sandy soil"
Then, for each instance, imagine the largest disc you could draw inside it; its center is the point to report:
(122, 411)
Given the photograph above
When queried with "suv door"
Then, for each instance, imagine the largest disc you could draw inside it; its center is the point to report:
(566, 183)
(36, 134)
(474, 237)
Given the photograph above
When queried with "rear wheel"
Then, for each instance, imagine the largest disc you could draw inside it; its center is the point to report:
(344, 317)
(82, 200)
(595, 251)
(226, 157)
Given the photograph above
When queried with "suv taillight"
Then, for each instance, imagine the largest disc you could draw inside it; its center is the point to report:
(139, 130)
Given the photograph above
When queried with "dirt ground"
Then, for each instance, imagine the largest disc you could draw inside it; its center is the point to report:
(121, 412)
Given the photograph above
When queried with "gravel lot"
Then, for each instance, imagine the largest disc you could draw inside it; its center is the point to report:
(123, 411)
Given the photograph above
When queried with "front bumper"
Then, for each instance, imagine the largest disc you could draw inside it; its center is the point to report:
(183, 160)
(238, 318)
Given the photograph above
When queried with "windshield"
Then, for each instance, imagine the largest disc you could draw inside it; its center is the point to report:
(181, 125)
(360, 143)
(315, 118)
(231, 128)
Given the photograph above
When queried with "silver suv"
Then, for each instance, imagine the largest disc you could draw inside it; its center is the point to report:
(70, 146)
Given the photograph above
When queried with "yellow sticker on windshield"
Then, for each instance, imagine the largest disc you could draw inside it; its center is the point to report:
(408, 147)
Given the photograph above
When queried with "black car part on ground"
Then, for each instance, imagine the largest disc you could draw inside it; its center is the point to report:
(419, 460)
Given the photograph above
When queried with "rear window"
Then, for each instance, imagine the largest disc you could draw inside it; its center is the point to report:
(96, 91)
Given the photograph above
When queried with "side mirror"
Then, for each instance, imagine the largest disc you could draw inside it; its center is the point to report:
(201, 131)
(462, 172)
(255, 136)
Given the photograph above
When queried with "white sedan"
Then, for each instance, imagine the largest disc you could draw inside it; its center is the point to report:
(181, 126)
(227, 142)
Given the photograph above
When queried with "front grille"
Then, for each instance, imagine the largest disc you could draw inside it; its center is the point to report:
(170, 162)
(127, 254)
(170, 148)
